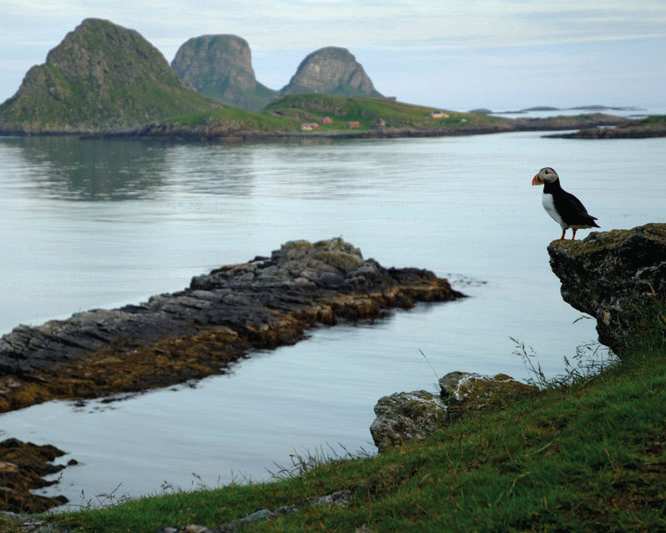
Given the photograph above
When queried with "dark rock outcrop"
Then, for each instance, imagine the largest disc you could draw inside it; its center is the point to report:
(413, 416)
(100, 77)
(618, 277)
(629, 132)
(220, 66)
(267, 302)
(23, 466)
(331, 70)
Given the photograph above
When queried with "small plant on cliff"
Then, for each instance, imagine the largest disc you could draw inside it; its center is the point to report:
(302, 463)
(590, 359)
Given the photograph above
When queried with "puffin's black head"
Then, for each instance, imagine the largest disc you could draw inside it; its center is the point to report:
(545, 175)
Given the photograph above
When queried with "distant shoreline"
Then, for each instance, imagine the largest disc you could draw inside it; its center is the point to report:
(205, 133)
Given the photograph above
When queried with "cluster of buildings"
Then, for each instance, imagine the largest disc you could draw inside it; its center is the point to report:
(327, 121)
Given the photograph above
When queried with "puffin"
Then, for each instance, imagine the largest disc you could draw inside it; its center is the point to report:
(562, 206)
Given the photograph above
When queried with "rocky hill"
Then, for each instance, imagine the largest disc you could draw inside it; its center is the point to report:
(220, 66)
(331, 70)
(100, 77)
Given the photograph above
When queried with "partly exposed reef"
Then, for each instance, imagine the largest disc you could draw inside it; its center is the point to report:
(618, 277)
(587, 108)
(23, 466)
(652, 126)
(264, 303)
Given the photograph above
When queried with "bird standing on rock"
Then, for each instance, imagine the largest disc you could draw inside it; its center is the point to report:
(563, 207)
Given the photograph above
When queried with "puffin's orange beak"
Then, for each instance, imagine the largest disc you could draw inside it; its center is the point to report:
(536, 180)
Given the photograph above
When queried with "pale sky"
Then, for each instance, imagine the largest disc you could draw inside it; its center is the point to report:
(458, 54)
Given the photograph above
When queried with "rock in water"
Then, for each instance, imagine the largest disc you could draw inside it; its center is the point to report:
(196, 332)
(23, 466)
(618, 277)
(220, 66)
(101, 77)
(331, 70)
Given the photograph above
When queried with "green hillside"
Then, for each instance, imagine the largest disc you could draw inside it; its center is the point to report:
(370, 110)
(585, 457)
(100, 77)
(289, 113)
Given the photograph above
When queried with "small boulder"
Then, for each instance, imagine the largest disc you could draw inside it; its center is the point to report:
(465, 391)
(340, 498)
(406, 416)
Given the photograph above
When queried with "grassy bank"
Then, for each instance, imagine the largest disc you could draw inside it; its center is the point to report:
(369, 111)
(288, 114)
(587, 457)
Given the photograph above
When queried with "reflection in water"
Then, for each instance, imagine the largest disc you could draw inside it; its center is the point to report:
(93, 170)
(451, 204)
(213, 169)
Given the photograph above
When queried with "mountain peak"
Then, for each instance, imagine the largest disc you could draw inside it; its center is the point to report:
(220, 67)
(331, 70)
(100, 77)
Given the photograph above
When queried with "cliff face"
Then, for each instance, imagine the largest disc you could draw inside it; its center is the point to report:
(220, 66)
(331, 70)
(618, 277)
(100, 77)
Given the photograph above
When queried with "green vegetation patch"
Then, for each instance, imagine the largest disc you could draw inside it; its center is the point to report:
(371, 111)
(236, 119)
(586, 457)
(654, 120)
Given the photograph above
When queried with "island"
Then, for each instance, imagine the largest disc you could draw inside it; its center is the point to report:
(105, 80)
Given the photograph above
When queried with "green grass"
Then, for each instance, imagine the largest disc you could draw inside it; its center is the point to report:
(653, 120)
(288, 113)
(586, 457)
(239, 119)
(368, 110)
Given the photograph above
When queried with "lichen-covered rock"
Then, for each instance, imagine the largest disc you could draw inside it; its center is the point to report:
(465, 391)
(220, 66)
(406, 416)
(618, 277)
(331, 70)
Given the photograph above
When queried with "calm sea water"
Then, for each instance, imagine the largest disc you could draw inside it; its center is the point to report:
(102, 223)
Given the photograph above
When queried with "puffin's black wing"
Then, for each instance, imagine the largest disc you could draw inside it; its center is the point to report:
(572, 210)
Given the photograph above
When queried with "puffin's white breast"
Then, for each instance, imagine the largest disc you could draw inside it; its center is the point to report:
(549, 206)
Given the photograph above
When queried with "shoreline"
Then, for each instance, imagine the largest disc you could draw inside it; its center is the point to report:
(612, 133)
(212, 133)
